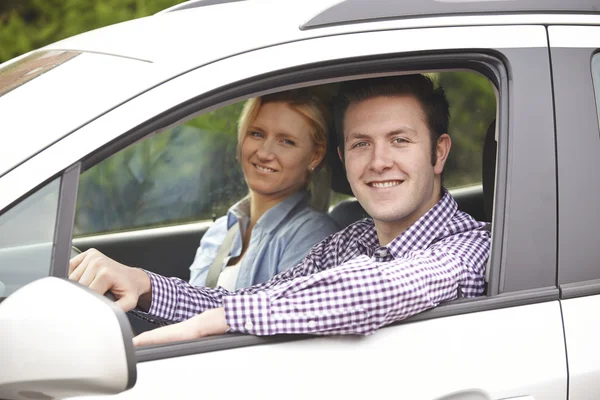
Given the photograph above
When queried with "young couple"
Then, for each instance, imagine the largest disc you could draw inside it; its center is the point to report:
(416, 251)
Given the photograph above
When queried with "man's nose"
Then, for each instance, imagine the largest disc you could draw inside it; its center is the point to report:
(381, 159)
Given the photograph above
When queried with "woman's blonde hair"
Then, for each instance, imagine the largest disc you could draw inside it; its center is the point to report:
(306, 102)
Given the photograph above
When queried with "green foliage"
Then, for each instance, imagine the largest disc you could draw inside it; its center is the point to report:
(472, 108)
(30, 24)
(189, 172)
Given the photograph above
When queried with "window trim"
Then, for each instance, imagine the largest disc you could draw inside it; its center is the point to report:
(65, 221)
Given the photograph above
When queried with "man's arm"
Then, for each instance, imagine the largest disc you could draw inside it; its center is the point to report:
(356, 297)
(362, 295)
(175, 300)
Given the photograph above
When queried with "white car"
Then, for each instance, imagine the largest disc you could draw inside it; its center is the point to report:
(123, 139)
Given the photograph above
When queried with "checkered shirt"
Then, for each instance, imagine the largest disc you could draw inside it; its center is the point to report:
(348, 283)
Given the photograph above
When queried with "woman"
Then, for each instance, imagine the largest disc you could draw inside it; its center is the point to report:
(282, 140)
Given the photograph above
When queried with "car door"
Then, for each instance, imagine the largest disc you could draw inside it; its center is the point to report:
(507, 344)
(576, 78)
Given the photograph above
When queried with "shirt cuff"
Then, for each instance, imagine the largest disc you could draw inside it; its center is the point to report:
(249, 313)
(164, 296)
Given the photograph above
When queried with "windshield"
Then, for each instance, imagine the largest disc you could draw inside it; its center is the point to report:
(30, 67)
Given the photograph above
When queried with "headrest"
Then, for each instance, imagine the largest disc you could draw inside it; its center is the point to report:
(339, 182)
(488, 170)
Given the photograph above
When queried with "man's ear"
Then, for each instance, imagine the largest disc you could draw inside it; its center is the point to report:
(442, 149)
(340, 154)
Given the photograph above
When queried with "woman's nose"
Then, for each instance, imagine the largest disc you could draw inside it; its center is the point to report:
(266, 150)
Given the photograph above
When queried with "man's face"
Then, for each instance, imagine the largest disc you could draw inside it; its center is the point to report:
(388, 159)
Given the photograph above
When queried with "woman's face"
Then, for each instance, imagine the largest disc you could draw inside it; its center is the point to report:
(278, 152)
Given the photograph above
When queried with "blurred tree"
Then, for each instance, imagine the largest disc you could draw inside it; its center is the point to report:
(26, 25)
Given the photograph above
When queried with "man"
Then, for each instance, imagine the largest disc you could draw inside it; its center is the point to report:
(415, 252)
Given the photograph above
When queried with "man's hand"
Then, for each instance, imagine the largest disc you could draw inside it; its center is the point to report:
(209, 323)
(101, 274)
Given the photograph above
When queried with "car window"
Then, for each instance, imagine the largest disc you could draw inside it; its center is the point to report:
(596, 80)
(186, 173)
(26, 237)
(189, 172)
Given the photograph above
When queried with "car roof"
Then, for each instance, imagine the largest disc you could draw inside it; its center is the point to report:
(189, 36)
(177, 40)
(352, 11)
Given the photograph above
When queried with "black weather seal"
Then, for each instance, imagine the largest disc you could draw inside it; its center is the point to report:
(580, 289)
(65, 219)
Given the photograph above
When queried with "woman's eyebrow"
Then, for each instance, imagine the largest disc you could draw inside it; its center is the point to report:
(255, 127)
(288, 135)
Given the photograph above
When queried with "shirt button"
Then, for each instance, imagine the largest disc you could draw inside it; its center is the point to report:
(381, 253)
(248, 325)
(312, 324)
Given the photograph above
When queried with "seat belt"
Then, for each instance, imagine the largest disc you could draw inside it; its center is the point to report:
(217, 265)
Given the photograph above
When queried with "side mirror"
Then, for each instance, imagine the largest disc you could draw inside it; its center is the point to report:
(59, 339)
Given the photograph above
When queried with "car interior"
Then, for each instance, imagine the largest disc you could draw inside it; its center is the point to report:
(170, 250)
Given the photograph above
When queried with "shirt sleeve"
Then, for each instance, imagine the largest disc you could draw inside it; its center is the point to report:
(361, 295)
(175, 300)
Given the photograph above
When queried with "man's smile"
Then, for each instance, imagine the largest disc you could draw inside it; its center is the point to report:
(384, 184)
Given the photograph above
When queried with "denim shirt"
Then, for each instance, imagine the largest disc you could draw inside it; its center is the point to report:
(280, 239)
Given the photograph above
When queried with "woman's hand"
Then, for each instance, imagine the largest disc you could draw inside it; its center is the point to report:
(102, 274)
(209, 323)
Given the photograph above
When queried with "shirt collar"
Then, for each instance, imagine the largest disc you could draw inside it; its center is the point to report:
(426, 229)
(240, 211)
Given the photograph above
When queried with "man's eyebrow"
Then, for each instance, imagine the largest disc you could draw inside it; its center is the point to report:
(405, 130)
(356, 135)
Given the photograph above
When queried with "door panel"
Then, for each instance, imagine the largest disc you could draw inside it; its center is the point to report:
(167, 251)
(573, 49)
(497, 354)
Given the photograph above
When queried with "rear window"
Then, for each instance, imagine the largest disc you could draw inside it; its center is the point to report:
(30, 67)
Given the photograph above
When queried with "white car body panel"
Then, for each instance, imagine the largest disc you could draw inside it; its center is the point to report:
(412, 361)
(213, 76)
(50, 106)
(582, 330)
(574, 36)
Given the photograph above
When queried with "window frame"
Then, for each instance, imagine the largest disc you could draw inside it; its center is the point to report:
(65, 217)
(489, 63)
